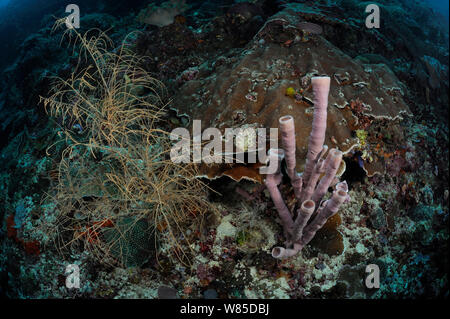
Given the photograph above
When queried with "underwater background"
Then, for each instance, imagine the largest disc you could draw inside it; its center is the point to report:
(86, 179)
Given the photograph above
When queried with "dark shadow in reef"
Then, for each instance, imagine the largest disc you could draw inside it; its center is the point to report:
(354, 173)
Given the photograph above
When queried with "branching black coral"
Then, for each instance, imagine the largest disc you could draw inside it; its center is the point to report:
(117, 163)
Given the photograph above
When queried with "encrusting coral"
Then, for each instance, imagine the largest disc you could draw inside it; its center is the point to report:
(308, 189)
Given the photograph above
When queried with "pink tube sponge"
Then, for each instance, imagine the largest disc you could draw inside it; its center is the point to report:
(330, 207)
(272, 181)
(303, 215)
(288, 141)
(321, 88)
(331, 164)
(312, 186)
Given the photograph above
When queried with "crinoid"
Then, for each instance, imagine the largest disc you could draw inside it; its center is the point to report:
(116, 180)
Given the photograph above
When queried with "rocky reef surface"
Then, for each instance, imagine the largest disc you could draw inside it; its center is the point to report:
(248, 63)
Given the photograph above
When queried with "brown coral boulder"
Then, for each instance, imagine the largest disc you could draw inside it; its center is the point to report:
(250, 87)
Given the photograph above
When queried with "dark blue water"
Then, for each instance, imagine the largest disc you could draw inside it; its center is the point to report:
(442, 6)
(4, 2)
(20, 18)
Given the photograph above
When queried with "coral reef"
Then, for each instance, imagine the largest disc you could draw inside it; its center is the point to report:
(225, 87)
(85, 187)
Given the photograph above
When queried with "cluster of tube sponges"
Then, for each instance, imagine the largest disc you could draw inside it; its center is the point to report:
(311, 186)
